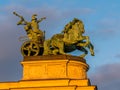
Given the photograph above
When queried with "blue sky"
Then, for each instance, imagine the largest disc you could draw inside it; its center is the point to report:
(102, 23)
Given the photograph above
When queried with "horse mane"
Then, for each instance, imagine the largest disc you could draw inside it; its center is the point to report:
(70, 24)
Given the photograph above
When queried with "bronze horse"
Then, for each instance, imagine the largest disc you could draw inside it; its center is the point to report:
(70, 39)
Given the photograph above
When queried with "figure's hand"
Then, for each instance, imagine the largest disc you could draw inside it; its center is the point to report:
(44, 18)
(41, 19)
(18, 23)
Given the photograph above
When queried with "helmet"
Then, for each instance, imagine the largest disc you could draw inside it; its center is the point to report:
(34, 16)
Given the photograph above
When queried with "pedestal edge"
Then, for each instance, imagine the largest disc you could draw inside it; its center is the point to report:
(54, 57)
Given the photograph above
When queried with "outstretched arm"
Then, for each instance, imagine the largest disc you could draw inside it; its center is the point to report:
(41, 19)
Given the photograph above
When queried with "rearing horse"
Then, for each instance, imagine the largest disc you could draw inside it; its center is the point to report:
(70, 39)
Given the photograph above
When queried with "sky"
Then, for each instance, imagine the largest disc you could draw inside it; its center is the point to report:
(101, 19)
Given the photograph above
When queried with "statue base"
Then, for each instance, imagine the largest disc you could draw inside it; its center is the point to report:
(54, 72)
(54, 67)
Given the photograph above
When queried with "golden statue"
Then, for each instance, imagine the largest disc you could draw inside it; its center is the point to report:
(35, 35)
(70, 39)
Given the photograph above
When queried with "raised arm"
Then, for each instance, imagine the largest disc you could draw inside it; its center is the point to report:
(22, 20)
(41, 19)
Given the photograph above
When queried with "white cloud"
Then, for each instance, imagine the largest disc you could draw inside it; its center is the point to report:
(107, 77)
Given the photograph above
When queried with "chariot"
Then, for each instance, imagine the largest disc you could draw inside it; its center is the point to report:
(32, 47)
(70, 39)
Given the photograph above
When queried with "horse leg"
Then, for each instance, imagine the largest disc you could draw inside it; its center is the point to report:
(83, 50)
(61, 48)
(85, 42)
(89, 45)
(91, 48)
(58, 47)
(55, 51)
(46, 45)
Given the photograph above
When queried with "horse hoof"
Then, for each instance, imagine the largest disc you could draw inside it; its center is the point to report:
(93, 54)
(82, 56)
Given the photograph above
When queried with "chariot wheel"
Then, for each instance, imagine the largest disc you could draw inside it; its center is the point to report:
(30, 48)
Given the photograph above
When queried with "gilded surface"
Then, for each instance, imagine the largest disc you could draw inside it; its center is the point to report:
(68, 67)
(35, 36)
(70, 39)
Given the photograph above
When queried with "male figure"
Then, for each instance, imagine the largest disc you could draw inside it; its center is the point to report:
(32, 28)
(35, 26)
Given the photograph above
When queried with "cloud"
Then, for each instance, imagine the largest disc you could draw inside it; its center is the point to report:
(106, 28)
(108, 22)
(107, 77)
(109, 26)
(117, 56)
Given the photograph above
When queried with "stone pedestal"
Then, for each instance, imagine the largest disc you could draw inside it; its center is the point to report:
(57, 72)
(54, 68)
